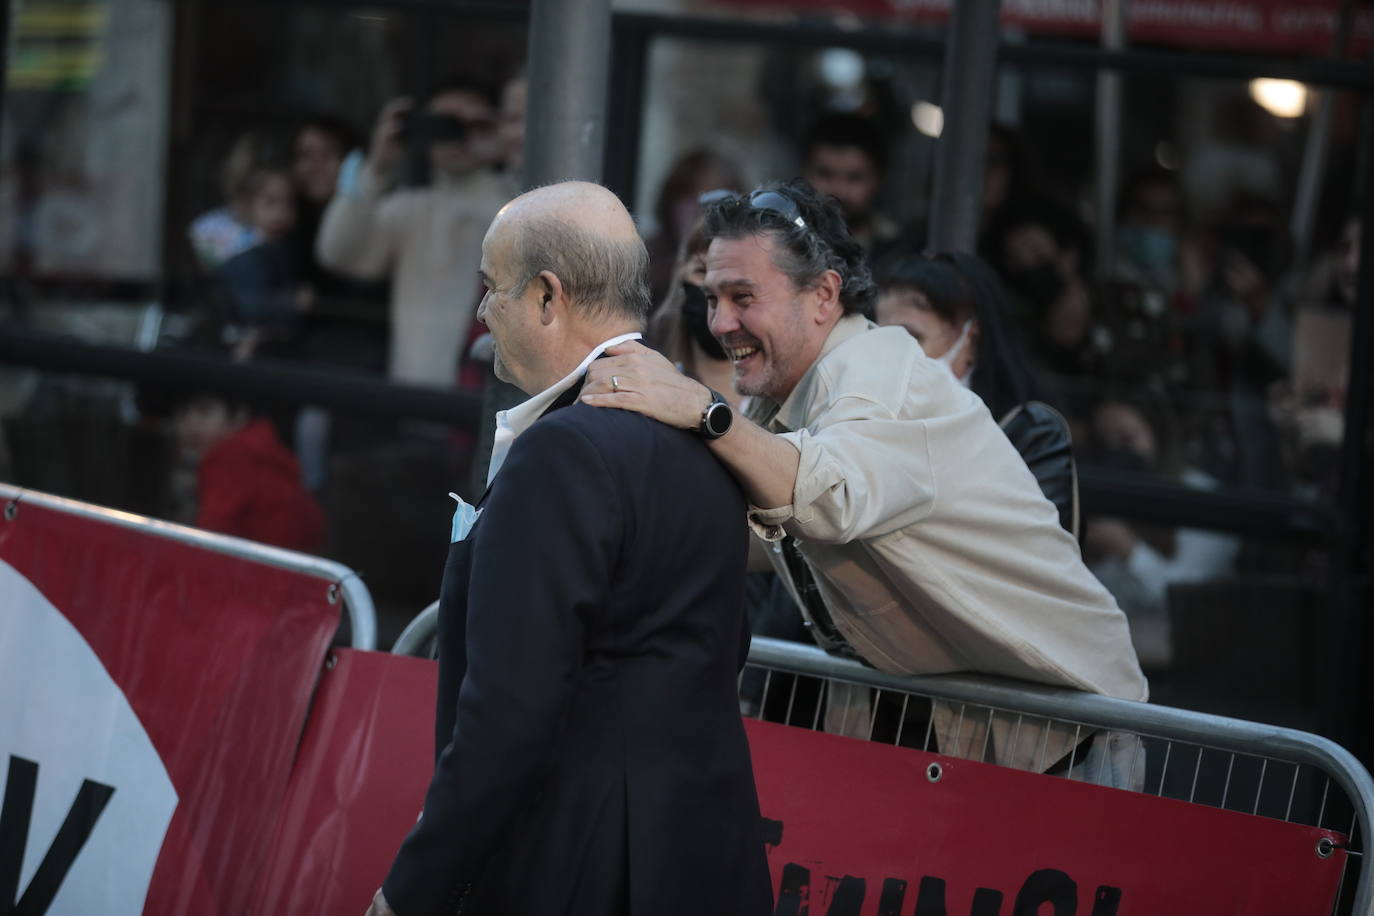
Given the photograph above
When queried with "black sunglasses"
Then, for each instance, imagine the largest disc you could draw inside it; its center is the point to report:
(772, 201)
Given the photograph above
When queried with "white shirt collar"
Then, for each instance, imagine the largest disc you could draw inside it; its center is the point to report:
(511, 423)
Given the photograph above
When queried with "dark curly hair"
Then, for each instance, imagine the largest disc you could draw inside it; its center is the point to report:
(805, 252)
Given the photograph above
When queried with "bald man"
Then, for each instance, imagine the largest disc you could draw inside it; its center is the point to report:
(590, 754)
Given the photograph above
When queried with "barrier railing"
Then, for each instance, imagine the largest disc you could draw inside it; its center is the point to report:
(1232, 764)
(342, 583)
(1247, 767)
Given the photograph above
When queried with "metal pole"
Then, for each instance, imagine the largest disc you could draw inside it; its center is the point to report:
(1348, 640)
(1313, 169)
(569, 62)
(967, 84)
(1109, 134)
(568, 68)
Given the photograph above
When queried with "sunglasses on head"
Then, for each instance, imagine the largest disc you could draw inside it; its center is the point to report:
(762, 199)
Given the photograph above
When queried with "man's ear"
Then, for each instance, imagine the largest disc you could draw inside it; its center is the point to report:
(553, 297)
(827, 290)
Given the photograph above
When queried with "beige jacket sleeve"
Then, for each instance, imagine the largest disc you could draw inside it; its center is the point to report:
(863, 473)
(360, 231)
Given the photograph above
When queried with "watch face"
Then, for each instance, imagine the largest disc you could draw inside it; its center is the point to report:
(717, 420)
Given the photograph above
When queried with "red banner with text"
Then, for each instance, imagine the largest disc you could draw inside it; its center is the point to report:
(1266, 26)
(854, 828)
(154, 695)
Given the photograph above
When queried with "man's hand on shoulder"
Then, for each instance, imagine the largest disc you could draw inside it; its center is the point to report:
(634, 377)
(379, 906)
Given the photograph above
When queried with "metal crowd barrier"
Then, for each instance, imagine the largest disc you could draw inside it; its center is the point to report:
(342, 583)
(1247, 767)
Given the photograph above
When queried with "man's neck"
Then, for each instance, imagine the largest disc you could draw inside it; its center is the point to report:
(578, 344)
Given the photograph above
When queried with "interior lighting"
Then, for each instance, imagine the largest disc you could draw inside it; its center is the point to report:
(929, 118)
(1281, 98)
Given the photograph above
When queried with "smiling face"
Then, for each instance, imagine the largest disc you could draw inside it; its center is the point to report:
(771, 330)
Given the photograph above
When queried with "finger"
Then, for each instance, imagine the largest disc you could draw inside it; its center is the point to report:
(621, 400)
(629, 346)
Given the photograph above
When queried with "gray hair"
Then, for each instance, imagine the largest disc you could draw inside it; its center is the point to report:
(606, 277)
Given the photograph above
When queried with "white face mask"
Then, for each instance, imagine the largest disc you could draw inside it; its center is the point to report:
(949, 356)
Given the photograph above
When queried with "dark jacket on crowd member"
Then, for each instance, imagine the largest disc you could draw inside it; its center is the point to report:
(591, 758)
(249, 485)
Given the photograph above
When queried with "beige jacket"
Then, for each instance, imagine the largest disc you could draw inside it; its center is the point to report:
(931, 542)
(430, 241)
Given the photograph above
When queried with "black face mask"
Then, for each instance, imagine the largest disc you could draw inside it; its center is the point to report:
(694, 313)
(1040, 284)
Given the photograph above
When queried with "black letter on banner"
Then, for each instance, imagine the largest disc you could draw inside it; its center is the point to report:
(894, 893)
(986, 902)
(848, 897)
(1107, 900)
(930, 899)
(1048, 885)
(90, 802)
(772, 832)
(794, 892)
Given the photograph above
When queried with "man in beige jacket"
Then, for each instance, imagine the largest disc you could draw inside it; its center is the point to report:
(930, 544)
(429, 240)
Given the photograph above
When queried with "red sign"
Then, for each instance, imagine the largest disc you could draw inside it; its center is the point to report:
(154, 697)
(1278, 26)
(855, 829)
(862, 829)
(359, 783)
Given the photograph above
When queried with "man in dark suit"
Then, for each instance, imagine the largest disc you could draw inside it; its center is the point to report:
(591, 758)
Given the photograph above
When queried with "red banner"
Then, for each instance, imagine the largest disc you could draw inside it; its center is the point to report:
(154, 697)
(1275, 26)
(359, 783)
(855, 829)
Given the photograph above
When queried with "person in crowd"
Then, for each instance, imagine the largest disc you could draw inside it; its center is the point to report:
(1241, 335)
(1138, 563)
(1309, 407)
(677, 209)
(219, 234)
(1153, 248)
(511, 128)
(590, 749)
(845, 156)
(911, 531)
(426, 239)
(263, 296)
(247, 483)
(954, 307)
(679, 328)
(1043, 260)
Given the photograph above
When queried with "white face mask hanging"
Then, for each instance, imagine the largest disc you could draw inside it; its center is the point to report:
(949, 356)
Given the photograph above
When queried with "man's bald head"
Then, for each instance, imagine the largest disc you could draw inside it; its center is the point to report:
(583, 234)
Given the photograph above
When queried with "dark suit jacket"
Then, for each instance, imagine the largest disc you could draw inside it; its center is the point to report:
(592, 759)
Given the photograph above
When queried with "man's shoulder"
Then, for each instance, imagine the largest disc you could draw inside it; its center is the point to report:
(601, 426)
(875, 365)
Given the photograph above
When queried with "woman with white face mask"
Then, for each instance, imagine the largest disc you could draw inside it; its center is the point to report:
(953, 305)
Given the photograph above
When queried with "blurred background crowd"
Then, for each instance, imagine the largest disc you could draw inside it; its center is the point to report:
(308, 183)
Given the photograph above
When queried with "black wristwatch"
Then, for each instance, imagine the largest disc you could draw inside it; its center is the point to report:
(716, 418)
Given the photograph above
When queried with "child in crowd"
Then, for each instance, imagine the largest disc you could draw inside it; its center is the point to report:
(261, 294)
(247, 483)
(218, 235)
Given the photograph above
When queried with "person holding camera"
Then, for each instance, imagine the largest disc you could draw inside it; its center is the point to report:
(427, 240)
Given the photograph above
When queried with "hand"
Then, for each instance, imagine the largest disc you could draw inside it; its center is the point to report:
(645, 382)
(379, 906)
(386, 149)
